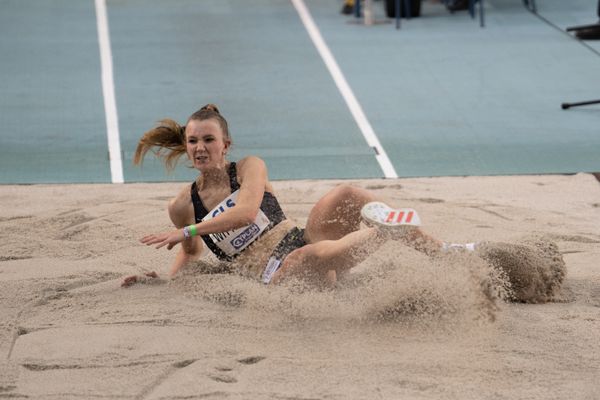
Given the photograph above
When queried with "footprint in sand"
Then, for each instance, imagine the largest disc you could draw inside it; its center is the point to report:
(430, 200)
(224, 374)
(223, 378)
(251, 360)
(184, 363)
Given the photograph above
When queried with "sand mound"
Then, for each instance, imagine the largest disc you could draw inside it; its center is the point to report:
(534, 267)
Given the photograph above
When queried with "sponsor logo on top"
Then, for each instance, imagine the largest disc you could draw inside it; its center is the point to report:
(247, 235)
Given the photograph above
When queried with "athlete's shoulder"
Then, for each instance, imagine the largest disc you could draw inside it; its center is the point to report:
(251, 162)
(181, 204)
(251, 167)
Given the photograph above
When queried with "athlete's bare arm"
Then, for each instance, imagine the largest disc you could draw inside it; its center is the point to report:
(253, 176)
(181, 213)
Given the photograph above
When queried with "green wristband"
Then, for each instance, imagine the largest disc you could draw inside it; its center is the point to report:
(193, 231)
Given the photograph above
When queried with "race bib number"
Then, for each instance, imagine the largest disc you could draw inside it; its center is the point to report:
(234, 242)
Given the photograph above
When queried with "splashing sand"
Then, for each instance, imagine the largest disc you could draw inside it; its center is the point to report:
(534, 267)
(396, 284)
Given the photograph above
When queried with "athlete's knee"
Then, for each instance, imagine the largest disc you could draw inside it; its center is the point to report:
(322, 253)
(353, 194)
(345, 191)
(308, 255)
(299, 262)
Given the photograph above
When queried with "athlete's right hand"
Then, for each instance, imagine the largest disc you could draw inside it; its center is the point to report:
(168, 239)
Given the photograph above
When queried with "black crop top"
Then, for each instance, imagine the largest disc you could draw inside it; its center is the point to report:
(269, 206)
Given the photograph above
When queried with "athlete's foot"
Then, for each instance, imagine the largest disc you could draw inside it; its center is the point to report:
(393, 223)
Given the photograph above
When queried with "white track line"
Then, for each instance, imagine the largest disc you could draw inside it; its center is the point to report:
(108, 90)
(345, 90)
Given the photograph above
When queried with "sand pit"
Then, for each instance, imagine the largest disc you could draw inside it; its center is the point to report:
(518, 319)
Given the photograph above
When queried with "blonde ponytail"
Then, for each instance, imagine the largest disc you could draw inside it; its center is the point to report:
(166, 141)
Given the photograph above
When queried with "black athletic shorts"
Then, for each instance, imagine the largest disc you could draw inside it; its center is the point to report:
(292, 240)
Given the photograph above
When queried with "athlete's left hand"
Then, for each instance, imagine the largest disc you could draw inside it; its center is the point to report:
(169, 239)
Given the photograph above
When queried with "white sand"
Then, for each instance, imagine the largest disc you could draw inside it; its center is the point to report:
(402, 326)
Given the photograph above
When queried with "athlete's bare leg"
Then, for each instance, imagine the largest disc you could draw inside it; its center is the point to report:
(326, 260)
(336, 242)
(337, 213)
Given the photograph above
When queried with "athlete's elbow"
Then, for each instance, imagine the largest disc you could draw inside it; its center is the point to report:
(248, 216)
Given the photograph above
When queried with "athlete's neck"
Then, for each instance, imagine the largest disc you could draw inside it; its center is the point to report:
(214, 176)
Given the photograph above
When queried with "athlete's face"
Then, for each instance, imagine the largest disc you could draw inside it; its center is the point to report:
(206, 144)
